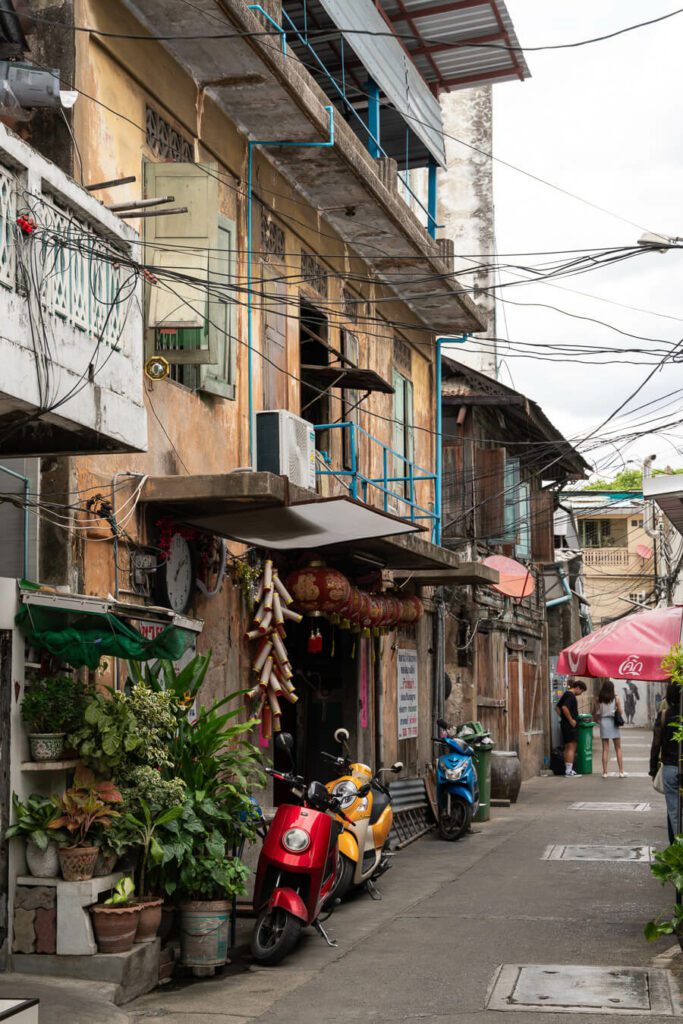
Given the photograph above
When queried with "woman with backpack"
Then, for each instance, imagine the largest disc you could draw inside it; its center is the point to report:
(610, 715)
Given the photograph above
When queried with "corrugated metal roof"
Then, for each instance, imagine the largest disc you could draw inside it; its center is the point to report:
(429, 29)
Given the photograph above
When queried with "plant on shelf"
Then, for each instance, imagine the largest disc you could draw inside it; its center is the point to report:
(33, 818)
(53, 707)
(115, 922)
(82, 808)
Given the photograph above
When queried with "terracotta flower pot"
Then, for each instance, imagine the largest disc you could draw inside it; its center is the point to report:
(42, 863)
(115, 927)
(78, 862)
(46, 746)
(150, 917)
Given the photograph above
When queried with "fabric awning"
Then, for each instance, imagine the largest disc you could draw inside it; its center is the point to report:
(80, 630)
(352, 377)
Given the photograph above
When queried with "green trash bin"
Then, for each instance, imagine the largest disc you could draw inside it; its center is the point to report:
(584, 748)
(482, 763)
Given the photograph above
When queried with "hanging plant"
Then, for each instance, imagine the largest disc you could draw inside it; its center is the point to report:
(247, 578)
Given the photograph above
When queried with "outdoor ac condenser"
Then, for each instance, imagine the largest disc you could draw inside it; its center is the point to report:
(285, 444)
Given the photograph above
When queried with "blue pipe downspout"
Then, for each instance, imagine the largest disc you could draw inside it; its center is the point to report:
(431, 198)
(438, 490)
(567, 591)
(27, 495)
(250, 218)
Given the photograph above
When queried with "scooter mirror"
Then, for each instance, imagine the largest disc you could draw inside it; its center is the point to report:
(342, 735)
(442, 723)
(397, 767)
(284, 741)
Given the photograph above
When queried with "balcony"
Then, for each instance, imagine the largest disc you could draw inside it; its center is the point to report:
(70, 315)
(617, 561)
(374, 473)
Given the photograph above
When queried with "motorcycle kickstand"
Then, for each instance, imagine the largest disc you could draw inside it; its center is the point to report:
(321, 931)
(375, 894)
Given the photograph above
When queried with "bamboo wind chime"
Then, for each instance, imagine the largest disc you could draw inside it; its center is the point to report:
(271, 661)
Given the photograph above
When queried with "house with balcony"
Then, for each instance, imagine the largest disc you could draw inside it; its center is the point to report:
(620, 557)
(503, 465)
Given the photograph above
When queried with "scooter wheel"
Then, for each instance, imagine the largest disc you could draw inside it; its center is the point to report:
(454, 825)
(275, 934)
(343, 880)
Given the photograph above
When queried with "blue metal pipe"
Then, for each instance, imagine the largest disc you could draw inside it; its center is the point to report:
(431, 198)
(273, 22)
(565, 586)
(27, 495)
(374, 146)
(250, 225)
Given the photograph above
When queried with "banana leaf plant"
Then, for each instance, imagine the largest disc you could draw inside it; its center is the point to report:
(145, 832)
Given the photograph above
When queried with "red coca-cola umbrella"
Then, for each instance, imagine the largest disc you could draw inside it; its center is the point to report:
(630, 648)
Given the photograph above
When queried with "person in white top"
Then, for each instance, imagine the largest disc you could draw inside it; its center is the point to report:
(607, 708)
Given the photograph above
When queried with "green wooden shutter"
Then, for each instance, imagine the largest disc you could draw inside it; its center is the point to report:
(219, 378)
(511, 517)
(180, 244)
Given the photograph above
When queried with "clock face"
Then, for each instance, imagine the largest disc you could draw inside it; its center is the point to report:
(179, 574)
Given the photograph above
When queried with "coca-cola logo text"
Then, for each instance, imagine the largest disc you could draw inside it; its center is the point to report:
(631, 666)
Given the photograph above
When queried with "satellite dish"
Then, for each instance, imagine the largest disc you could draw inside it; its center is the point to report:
(516, 580)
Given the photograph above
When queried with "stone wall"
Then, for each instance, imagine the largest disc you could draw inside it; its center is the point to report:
(35, 919)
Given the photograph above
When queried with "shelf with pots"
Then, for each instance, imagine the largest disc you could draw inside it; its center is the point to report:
(69, 765)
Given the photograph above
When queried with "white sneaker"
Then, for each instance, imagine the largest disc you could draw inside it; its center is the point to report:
(623, 775)
(605, 775)
(572, 775)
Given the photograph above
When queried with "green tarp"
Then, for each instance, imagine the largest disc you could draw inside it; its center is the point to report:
(82, 638)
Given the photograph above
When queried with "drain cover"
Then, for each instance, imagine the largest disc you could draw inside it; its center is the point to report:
(606, 805)
(575, 989)
(636, 854)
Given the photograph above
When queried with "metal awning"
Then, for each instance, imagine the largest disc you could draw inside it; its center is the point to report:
(351, 377)
(466, 574)
(458, 43)
(667, 491)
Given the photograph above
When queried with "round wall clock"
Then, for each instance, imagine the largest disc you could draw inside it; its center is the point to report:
(175, 578)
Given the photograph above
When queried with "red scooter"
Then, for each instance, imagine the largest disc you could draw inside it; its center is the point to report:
(297, 867)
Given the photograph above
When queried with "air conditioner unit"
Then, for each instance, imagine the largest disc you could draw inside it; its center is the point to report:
(285, 444)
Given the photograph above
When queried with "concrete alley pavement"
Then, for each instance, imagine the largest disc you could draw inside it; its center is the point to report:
(452, 914)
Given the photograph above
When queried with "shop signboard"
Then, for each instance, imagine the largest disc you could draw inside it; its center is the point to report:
(407, 693)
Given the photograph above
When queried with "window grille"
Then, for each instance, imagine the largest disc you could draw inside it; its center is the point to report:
(272, 238)
(313, 273)
(165, 141)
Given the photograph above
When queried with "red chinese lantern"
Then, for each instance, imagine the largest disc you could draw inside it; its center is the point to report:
(377, 611)
(393, 610)
(411, 610)
(319, 589)
(349, 613)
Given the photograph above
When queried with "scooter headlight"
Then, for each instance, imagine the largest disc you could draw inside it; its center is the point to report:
(346, 792)
(453, 774)
(296, 840)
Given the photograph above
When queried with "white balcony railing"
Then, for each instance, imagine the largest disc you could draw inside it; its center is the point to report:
(612, 557)
(71, 332)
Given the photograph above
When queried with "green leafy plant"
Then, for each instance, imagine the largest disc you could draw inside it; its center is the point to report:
(122, 894)
(145, 832)
(33, 820)
(122, 730)
(84, 806)
(140, 783)
(55, 704)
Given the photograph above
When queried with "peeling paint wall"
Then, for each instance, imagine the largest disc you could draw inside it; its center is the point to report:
(465, 196)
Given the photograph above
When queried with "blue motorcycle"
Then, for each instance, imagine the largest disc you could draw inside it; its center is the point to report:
(457, 787)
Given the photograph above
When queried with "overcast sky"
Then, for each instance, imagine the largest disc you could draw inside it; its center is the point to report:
(602, 121)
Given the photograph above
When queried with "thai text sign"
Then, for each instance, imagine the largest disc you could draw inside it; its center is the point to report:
(407, 694)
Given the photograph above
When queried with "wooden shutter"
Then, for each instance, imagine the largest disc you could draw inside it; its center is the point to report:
(180, 243)
(275, 344)
(543, 526)
(454, 501)
(219, 378)
(489, 476)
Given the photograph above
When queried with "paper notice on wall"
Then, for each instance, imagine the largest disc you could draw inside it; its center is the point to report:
(407, 694)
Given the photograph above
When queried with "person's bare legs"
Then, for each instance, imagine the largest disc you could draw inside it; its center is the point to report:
(570, 753)
(620, 756)
(605, 756)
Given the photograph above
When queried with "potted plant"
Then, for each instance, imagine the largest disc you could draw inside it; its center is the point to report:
(82, 807)
(115, 921)
(145, 831)
(33, 820)
(667, 866)
(51, 708)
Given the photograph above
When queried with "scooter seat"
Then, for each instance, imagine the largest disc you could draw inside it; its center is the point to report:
(380, 802)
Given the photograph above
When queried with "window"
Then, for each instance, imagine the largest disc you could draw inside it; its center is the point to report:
(191, 325)
(595, 533)
(636, 522)
(523, 545)
(403, 434)
(350, 397)
(511, 533)
(639, 598)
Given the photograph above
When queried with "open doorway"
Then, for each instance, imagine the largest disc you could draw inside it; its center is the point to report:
(314, 348)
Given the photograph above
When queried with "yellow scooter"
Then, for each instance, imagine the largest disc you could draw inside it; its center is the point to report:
(366, 803)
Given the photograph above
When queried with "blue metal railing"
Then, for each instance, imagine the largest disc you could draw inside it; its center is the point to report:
(372, 128)
(396, 487)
